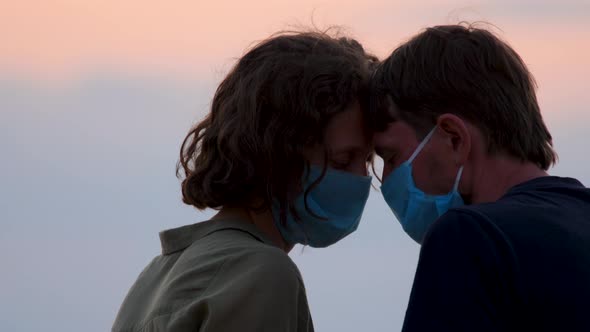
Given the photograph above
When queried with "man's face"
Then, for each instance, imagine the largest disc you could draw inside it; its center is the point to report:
(432, 172)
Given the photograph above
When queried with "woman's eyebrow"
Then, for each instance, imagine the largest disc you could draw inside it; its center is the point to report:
(349, 150)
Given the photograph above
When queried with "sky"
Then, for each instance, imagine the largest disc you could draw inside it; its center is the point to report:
(96, 97)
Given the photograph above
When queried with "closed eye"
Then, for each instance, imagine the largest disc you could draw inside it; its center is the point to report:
(340, 163)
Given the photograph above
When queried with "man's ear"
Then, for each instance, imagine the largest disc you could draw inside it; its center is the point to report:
(459, 136)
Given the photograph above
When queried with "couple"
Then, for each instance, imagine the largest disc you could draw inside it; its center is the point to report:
(283, 155)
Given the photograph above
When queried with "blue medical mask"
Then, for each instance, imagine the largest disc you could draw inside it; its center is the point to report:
(413, 208)
(340, 198)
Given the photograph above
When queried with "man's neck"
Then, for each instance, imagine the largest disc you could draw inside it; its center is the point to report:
(497, 174)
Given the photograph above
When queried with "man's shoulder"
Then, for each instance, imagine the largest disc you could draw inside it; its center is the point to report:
(545, 201)
(486, 212)
(467, 219)
(507, 211)
(498, 221)
(542, 206)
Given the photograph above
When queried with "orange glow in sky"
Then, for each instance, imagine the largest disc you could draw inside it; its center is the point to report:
(60, 38)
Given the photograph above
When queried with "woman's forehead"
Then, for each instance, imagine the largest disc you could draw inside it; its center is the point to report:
(347, 130)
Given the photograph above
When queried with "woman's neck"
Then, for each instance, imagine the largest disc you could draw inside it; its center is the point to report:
(262, 220)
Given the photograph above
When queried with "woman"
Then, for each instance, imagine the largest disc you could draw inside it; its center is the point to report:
(283, 156)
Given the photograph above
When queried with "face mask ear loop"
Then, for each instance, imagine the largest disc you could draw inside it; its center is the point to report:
(458, 178)
(421, 146)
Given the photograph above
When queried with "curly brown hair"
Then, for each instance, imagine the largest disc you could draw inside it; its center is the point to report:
(273, 104)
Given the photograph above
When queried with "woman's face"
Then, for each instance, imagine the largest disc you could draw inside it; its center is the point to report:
(347, 141)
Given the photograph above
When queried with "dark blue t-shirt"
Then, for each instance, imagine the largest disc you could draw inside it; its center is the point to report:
(521, 263)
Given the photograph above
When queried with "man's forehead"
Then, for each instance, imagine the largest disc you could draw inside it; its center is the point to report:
(395, 134)
(391, 108)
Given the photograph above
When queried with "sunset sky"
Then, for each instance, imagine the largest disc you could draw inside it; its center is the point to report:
(96, 96)
(69, 37)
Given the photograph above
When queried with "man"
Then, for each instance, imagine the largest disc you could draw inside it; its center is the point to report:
(505, 246)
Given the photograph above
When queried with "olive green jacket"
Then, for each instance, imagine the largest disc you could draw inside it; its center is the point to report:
(218, 275)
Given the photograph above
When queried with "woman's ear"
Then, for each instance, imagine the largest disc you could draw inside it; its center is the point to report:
(459, 136)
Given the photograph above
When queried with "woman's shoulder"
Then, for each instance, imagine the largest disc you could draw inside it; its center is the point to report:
(237, 251)
(267, 259)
